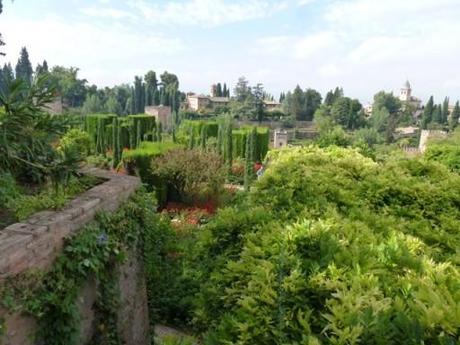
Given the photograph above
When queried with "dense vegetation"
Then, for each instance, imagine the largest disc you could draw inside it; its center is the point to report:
(330, 248)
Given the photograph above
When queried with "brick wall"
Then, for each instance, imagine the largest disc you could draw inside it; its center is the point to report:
(36, 242)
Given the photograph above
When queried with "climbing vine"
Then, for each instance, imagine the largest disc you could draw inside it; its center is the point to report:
(95, 253)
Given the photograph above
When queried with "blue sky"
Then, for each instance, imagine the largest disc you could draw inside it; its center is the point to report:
(362, 45)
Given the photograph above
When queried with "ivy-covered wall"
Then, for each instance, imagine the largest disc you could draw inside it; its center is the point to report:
(80, 278)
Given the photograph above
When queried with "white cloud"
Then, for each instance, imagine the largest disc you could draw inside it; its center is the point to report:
(105, 54)
(367, 45)
(206, 13)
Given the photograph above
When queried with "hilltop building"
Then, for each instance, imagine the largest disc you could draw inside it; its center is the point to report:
(199, 102)
(405, 96)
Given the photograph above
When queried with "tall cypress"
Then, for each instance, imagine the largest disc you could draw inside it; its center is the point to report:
(203, 137)
(219, 140)
(437, 114)
(248, 166)
(428, 113)
(455, 116)
(24, 68)
(445, 110)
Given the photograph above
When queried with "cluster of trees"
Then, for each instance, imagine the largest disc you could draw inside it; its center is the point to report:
(301, 104)
(438, 114)
(221, 91)
(77, 94)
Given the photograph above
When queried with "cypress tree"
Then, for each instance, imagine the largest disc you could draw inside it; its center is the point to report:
(203, 137)
(24, 68)
(116, 143)
(138, 133)
(191, 142)
(455, 116)
(254, 150)
(219, 90)
(156, 97)
(174, 135)
(428, 113)
(445, 110)
(219, 140)
(160, 132)
(437, 114)
(162, 97)
(229, 145)
(224, 90)
(248, 166)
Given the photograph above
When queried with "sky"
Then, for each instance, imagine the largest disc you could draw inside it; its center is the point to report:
(363, 46)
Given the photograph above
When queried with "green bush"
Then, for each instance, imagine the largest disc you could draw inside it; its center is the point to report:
(77, 140)
(138, 162)
(334, 248)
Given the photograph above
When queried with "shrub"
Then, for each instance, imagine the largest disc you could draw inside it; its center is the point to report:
(27, 133)
(192, 174)
(345, 251)
(77, 140)
(139, 162)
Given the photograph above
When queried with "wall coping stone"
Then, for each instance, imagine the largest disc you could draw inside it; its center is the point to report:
(35, 242)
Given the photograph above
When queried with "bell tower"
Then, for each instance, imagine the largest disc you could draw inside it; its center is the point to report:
(406, 92)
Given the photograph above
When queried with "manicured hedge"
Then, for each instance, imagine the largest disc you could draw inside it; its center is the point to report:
(139, 162)
(188, 126)
(239, 141)
(132, 130)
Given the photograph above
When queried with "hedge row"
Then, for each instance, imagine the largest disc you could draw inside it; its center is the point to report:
(139, 162)
(239, 137)
(130, 130)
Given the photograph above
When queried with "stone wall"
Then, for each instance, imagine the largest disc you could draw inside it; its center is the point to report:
(35, 243)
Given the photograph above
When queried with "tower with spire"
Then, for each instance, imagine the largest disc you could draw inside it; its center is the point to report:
(406, 92)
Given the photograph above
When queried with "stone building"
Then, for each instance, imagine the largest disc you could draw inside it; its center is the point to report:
(199, 102)
(280, 139)
(162, 114)
(55, 107)
(405, 96)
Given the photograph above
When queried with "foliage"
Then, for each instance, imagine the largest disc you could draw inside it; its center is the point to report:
(302, 105)
(24, 205)
(445, 151)
(334, 248)
(77, 140)
(28, 133)
(192, 174)
(96, 251)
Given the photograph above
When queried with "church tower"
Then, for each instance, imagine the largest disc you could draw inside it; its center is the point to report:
(406, 92)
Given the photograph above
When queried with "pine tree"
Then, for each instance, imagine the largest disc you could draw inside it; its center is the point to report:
(455, 116)
(445, 110)
(428, 113)
(24, 68)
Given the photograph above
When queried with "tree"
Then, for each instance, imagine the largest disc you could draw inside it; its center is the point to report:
(249, 158)
(93, 105)
(139, 95)
(24, 68)
(42, 69)
(312, 102)
(219, 92)
(72, 89)
(294, 103)
(242, 90)
(455, 116)
(437, 114)
(445, 111)
(112, 106)
(6, 76)
(428, 113)
(225, 91)
(170, 81)
(387, 100)
(332, 96)
(259, 105)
